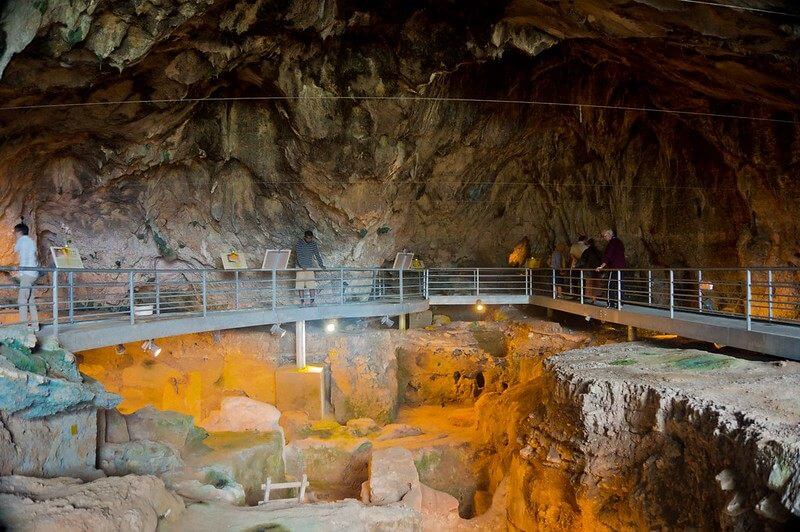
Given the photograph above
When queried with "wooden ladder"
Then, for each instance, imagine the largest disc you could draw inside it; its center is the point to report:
(269, 486)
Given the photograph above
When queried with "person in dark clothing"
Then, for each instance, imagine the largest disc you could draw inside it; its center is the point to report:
(613, 259)
(590, 259)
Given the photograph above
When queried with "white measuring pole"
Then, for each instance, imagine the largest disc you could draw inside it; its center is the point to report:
(749, 301)
(771, 293)
(300, 344)
(700, 290)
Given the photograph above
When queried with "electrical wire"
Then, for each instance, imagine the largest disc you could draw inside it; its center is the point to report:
(425, 99)
(741, 8)
(551, 185)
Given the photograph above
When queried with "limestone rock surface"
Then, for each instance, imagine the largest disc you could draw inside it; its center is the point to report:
(337, 466)
(243, 414)
(130, 503)
(141, 457)
(173, 428)
(48, 413)
(295, 424)
(613, 427)
(392, 475)
(182, 177)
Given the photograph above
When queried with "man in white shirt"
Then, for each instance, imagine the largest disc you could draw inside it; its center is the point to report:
(26, 251)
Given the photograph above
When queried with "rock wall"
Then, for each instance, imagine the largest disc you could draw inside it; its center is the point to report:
(369, 372)
(157, 181)
(622, 437)
(48, 413)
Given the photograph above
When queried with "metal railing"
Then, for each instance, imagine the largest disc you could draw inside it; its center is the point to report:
(750, 294)
(135, 295)
(78, 296)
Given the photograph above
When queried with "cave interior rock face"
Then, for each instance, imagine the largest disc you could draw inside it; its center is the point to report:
(328, 114)
(155, 133)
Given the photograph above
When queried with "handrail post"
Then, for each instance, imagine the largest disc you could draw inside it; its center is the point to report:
(341, 286)
(528, 282)
(619, 289)
(649, 287)
(204, 281)
(275, 289)
(71, 281)
(554, 283)
(581, 286)
(426, 281)
(771, 292)
(55, 302)
(672, 294)
(749, 300)
(236, 288)
(477, 281)
(401, 285)
(700, 290)
(158, 294)
(130, 297)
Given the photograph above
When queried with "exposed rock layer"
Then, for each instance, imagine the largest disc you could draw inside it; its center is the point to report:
(624, 436)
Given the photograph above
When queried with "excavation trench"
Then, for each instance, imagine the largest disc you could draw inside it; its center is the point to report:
(509, 423)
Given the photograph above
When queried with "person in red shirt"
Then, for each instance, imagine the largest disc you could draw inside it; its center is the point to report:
(613, 259)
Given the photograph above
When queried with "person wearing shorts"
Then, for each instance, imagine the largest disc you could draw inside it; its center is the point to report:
(306, 250)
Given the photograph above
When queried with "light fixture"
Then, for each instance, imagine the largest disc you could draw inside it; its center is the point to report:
(120, 349)
(151, 347)
(479, 306)
(217, 336)
(277, 330)
(330, 326)
(386, 320)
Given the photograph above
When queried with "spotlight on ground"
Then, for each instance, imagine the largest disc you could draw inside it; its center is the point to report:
(386, 320)
(479, 306)
(120, 349)
(277, 330)
(151, 347)
(330, 327)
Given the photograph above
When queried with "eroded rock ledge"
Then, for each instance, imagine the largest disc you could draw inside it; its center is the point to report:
(625, 435)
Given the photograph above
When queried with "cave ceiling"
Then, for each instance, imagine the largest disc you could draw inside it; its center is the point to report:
(206, 124)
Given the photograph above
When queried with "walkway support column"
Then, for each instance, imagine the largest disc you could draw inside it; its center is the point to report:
(300, 344)
(632, 336)
(402, 322)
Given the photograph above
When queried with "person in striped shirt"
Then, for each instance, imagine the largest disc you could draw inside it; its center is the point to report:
(305, 251)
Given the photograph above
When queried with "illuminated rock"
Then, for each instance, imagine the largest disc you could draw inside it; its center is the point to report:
(337, 465)
(178, 430)
(392, 475)
(296, 425)
(243, 414)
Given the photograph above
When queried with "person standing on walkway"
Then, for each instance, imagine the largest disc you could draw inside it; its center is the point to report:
(590, 260)
(613, 259)
(26, 251)
(575, 253)
(557, 261)
(305, 251)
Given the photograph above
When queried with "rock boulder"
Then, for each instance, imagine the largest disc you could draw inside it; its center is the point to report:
(129, 503)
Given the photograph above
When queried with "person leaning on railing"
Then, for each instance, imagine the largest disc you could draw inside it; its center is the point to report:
(306, 250)
(26, 251)
(613, 259)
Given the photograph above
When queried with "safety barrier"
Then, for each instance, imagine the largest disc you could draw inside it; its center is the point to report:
(138, 295)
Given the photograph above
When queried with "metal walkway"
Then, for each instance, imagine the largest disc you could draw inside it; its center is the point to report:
(755, 309)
